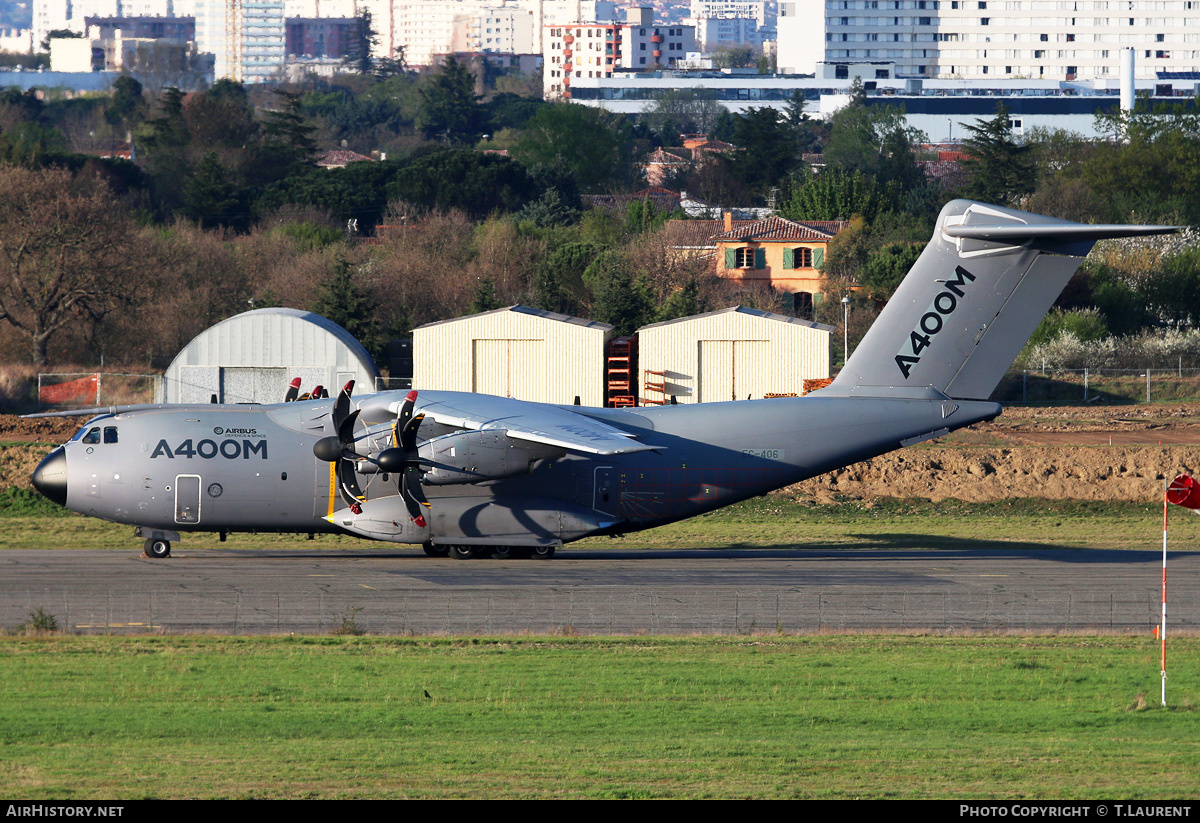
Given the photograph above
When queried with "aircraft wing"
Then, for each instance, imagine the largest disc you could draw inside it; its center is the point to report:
(521, 420)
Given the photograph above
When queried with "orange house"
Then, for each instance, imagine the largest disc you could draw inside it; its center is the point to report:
(784, 254)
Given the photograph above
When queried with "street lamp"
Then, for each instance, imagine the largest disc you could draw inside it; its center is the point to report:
(845, 328)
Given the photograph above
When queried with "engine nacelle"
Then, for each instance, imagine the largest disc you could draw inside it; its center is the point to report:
(476, 456)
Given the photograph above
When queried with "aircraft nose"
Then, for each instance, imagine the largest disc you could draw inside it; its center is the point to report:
(50, 477)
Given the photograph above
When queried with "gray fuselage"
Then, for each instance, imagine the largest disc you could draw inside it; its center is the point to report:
(252, 468)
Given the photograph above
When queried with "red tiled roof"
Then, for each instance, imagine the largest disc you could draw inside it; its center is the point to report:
(663, 199)
(696, 234)
(777, 228)
(341, 157)
(659, 157)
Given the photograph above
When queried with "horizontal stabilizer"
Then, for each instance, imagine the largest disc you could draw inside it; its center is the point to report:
(1019, 235)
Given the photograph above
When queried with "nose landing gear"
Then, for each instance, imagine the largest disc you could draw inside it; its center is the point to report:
(158, 548)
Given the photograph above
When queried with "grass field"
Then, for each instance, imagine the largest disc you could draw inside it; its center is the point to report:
(32, 522)
(835, 717)
(527, 717)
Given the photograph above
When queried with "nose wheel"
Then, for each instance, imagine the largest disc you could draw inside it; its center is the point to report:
(158, 548)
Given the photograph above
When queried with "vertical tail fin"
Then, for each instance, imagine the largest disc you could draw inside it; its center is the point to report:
(971, 302)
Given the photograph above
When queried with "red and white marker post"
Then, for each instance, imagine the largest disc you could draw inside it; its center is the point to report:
(1182, 491)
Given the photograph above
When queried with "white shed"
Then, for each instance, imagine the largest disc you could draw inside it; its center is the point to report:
(253, 356)
(518, 352)
(731, 354)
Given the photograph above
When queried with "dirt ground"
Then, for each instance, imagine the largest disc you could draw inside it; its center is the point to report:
(1062, 452)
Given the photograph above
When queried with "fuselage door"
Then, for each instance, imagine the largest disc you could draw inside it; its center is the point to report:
(604, 490)
(187, 498)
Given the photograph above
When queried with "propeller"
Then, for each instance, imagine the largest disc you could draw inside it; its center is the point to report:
(401, 458)
(339, 449)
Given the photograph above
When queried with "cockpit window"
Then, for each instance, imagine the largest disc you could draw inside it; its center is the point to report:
(110, 434)
(92, 436)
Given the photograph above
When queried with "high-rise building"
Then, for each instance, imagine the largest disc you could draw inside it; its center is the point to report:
(52, 15)
(246, 37)
(598, 49)
(1039, 39)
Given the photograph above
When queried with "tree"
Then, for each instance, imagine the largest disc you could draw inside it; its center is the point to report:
(769, 151)
(483, 297)
(888, 266)
(212, 198)
(287, 140)
(592, 145)
(475, 183)
(874, 139)
(682, 111)
(619, 298)
(836, 193)
(66, 254)
(999, 169)
(558, 282)
(449, 108)
(350, 304)
(126, 106)
(365, 41)
(221, 117)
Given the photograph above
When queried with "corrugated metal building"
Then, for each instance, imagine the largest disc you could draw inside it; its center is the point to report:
(730, 354)
(253, 356)
(516, 352)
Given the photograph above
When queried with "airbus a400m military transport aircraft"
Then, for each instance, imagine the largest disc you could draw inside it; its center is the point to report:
(468, 474)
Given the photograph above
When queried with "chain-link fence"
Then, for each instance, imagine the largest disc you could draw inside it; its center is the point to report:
(388, 383)
(1099, 385)
(62, 391)
(597, 610)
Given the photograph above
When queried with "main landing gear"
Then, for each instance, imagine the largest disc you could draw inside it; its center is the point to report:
(495, 552)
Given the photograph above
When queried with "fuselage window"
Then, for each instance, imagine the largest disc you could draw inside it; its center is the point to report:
(110, 434)
(92, 436)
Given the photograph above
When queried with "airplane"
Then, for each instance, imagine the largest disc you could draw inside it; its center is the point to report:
(466, 475)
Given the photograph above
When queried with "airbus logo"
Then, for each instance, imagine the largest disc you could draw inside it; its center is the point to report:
(932, 321)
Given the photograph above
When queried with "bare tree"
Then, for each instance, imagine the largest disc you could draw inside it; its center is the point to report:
(67, 253)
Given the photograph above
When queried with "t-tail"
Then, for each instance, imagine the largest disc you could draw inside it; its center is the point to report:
(971, 302)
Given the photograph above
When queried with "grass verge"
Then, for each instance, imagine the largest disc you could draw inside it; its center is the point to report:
(766, 522)
(828, 716)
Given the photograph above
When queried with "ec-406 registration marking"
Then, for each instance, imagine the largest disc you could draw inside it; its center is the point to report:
(769, 454)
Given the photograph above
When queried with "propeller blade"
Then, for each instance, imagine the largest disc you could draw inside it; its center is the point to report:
(406, 409)
(413, 494)
(293, 390)
(346, 431)
(341, 407)
(408, 436)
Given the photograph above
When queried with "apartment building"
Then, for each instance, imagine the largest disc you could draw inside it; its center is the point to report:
(594, 50)
(245, 37)
(51, 15)
(1037, 39)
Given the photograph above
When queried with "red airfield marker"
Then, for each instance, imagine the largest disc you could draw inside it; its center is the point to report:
(1182, 491)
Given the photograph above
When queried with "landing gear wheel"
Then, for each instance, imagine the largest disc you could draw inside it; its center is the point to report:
(435, 551)
(542, 552)
(462, 552)
(158, 548)
(504, 552)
